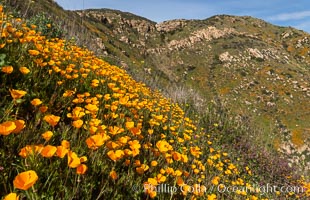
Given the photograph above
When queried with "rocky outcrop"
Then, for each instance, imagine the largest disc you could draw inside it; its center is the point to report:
(171, 25)
(140, 25)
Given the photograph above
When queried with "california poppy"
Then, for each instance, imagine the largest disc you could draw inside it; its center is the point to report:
(95, 141)
(81, 169)
(51, 119)
(61, 151)
(7, 127)
(25, 180)
(113, 175)
(36, 102)
(24, 70)
(47, 135)
(48, 151)
(11, 196)
(17, 94)
(118, 154)
(65, 143)
(77, 123)
(73, 160)
(129, 125)
(163, 146)
(43, 109)
(33, 52)
(7, 69)
(20, 125)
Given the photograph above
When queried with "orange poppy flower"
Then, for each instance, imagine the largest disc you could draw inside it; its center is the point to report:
(95, 83)
(83, 159)
(81, 169)
(152, 181)
(36, 102)
(96, 141)
(128, 152)
(135, 131)
(127, 162)
(161, 178)
(77, 123)
(123, 140)
(180, 181)
(149, 187)
(48, 151)
(7, 127)
(61, 151)
(25, 180)
(154, 163)
(215, 180)
(140, 170)
(184, 158)
(65, 143)
(129, 125)
(118, 154)
(47, 135)
(176, 156)
(92, 108)
(112, 145)
(51, 119)
(11, 196)
(113, 175)
(24, 70)
(7, 69)
(33, 52)
(124, 100)
(24, 152)
(115, 130)
(77, 113)
(43, 109)
(134, 144)
(195, 151)
(213, 197)
(163, 146)
(17, 94)
(20, 125)
(73, 160)
(137, 163)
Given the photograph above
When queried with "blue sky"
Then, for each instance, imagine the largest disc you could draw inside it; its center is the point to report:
(295, 13)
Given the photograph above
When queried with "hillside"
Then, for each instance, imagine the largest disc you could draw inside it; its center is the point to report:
(257, 70)
(81, 127)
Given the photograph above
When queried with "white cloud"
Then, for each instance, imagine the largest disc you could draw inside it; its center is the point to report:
(290, 16)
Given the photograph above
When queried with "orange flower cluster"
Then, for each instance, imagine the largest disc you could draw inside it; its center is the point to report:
(60, 151)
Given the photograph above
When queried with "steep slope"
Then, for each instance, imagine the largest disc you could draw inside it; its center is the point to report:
(259, 71)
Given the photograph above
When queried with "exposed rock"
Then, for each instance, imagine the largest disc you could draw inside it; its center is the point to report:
(255, 53)
(225, 57)
(206, 34)
(171, 25)
(141, 26)
(124, 39)
(286, 35)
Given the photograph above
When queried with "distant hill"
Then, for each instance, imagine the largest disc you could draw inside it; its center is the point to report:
(259, 71)
(256, 69)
